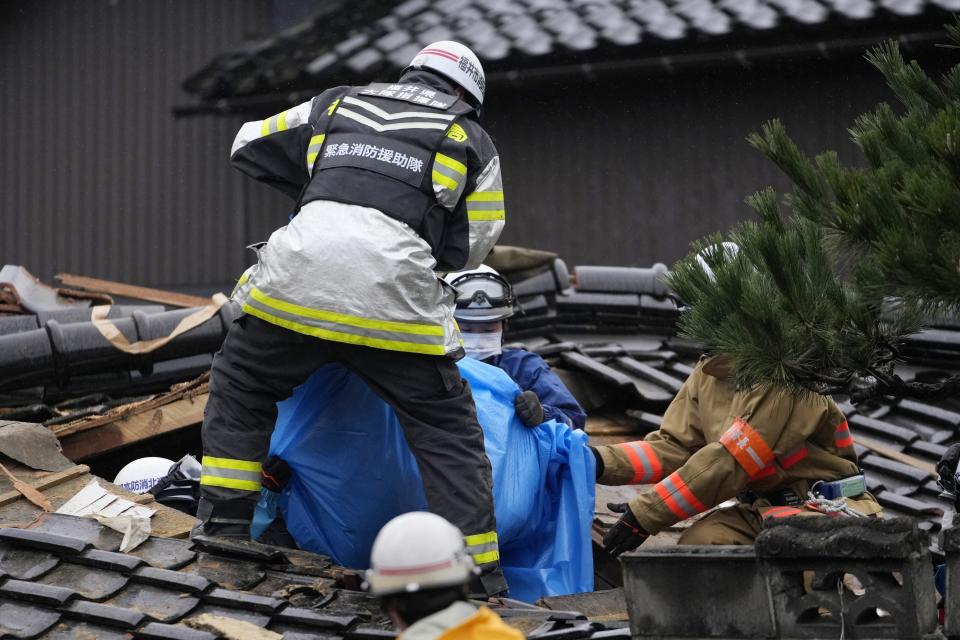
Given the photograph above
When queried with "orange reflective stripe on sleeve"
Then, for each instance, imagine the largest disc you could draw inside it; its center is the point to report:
(646, 465)
(795, 455)
(766, 472)
(747, 447)
(782, 512)
(678, 497)
(841, 437)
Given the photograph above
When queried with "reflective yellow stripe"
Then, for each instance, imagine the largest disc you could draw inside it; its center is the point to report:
(282, 122)
(333, 105)
(446, 181)
(318, 139)
(483, 558)
(342, 318)
(480, 538)
(447, 161)
(230, 483)
(311, 157)
(243, 278)
(485, 196)
(230, 463)
(350, 338)
(265, 127)
(486, 216)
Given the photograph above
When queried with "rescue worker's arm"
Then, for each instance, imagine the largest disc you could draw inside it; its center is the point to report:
(761, 425)
(661, 452)
(557, 401)
(280, 150)
(467, 182)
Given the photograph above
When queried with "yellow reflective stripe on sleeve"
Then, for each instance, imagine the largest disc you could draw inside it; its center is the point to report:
(332, 107)
(342, 318)
(349, 338)
(317, 139)
(480, 538)
(445, 181)
(243, 278)
(282, 122)
(230, 463)
(230, 483)
(486, 216)
(485, 196)
(447, 161)
(484, 558)
(311, 157)
(265, 127)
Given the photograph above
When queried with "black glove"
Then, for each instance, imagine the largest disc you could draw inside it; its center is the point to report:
(529, 409)
(626, 534)
(275, 474)
(947, 470)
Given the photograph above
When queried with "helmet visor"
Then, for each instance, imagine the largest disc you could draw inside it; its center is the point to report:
(483, 291)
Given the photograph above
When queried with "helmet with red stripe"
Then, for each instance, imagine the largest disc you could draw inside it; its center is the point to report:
(456, 62)
(417, 551)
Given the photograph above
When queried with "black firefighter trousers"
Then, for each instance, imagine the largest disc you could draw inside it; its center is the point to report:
(260, 364)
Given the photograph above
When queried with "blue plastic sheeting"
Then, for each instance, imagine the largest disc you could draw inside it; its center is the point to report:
(353, 471)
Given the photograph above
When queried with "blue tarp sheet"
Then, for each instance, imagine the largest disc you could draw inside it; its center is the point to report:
(353, 471)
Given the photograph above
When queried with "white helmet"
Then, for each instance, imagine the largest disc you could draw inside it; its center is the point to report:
(418, 550)
(727, 251)
(483, 295)
(140, 475)
(456, 62)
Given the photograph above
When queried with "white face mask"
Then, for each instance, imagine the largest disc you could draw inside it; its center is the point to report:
(481, 346)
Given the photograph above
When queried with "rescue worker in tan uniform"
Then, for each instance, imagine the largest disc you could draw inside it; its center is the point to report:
(763, 446)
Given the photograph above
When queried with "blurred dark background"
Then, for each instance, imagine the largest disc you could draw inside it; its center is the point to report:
(620, 142)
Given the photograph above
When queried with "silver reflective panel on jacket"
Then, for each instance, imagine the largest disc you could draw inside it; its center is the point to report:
(352, 274)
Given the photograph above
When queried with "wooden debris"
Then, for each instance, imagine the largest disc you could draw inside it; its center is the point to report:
(131, 291)
(28, 492)
(46, 482)
(230, 628)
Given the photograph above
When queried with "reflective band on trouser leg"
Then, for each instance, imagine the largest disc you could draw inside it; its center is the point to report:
(242, 475)
(316, 142)
(781, 512)
(747, 447)
(339, 327)
(646, 465)
(483, 547)
(485, 205)
(841, 437)
(678, 497)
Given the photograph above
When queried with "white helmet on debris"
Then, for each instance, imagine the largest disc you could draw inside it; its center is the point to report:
(140, 475)
(456, 62)
(415, 551)
(483, 295)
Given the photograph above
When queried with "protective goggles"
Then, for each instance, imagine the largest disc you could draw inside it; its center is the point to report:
(482, 290)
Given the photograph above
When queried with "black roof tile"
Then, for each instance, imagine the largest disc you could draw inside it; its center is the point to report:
(110, 560)
(907, 505)
(37, 539)
(165, 553)
(24, 564)
(242, 600)
(235, 574)
(928, 412)
(299, 633)
(874, 427)
(159, 604)
(104, 614)
(90, 583)
(22, 620)
(158, 631)
(185, 582)
(73, 629)
(315, 619)
(900, 470)
(36, 592)
(79, 530)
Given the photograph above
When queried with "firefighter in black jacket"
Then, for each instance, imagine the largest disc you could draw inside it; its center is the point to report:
(393, 183)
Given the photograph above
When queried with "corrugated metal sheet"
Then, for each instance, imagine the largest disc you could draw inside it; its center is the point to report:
(98, 177)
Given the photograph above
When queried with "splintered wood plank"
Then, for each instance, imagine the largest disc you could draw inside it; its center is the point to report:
(45, 482)
(132, 291)
(82, 445)
(600, 606)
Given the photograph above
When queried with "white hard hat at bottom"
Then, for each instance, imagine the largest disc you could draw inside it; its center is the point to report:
(416, 551)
